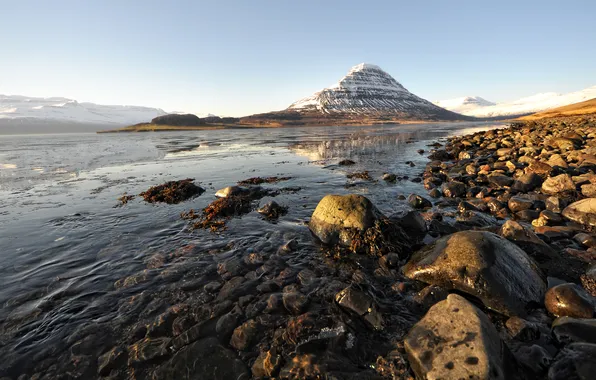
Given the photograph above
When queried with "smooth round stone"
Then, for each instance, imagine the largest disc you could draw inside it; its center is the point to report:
(569, 300)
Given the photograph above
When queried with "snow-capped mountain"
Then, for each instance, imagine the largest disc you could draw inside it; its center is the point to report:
(523, 106)
(465, 104)
(63, 109)
(368, 90)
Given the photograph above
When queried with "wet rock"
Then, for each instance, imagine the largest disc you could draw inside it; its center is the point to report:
(569, 300)
(389, 177)
(516, 203)
(559, 184)
(454, 189)
(244, 335)
(575, 361)
(522, 330)
(540, 168)
(227, 323)
(583, 212)
(554, 204)
(360, 304)
(418, 202)
(213, 286)
(205, 359)
(484, 265)
(500, 181)
(535, 358)
(267, 365)
(527, 182)
(346, 162)
(296, 303)
(569, 330)
(412, 223)
(290, 246)
(435, 193)
(148, 349)
(455, 340)
(430, 295)
(551, 217)
(589, 280)
(232, 191)
(585, 239)
(272, 210)
(526, 239)
(335, 214)
(111, 360)
(440, 155)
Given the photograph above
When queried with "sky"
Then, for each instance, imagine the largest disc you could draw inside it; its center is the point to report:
(234, 58)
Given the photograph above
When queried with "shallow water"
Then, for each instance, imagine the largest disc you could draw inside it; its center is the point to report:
(65, 240)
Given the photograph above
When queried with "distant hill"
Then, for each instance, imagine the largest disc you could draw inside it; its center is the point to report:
(583, 108)
(55, 110)
(478, 107)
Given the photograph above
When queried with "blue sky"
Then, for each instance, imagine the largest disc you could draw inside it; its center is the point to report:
(247, 56)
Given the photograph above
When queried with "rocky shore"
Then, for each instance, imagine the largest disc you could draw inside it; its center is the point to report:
(489, 276)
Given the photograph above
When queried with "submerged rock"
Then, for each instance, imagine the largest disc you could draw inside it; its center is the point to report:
(455, 340)
(360, 304)
(204, 359)
(272, 210)
(484, 265)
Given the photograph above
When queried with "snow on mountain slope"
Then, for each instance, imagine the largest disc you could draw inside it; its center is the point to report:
(527, 105)
(368, 90)
(465, 104)
(18, 107)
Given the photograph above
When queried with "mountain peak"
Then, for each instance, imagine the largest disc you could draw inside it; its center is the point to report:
(368, 90)
(364, 66)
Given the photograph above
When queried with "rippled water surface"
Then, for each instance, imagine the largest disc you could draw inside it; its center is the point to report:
(65, 240)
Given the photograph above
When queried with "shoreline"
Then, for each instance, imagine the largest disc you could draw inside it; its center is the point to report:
(170, 128)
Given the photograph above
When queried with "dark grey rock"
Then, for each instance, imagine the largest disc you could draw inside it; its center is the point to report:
(484, 265)
(569, 330)
(577, 361)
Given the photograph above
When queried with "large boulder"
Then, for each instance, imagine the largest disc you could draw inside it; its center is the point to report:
(455, 340)
(484, 265)
(336, 216)
(583, 211)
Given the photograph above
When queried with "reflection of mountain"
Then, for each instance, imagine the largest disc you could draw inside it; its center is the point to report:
(361, 144)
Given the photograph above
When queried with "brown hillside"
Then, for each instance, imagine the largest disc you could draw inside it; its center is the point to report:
(582, 108)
